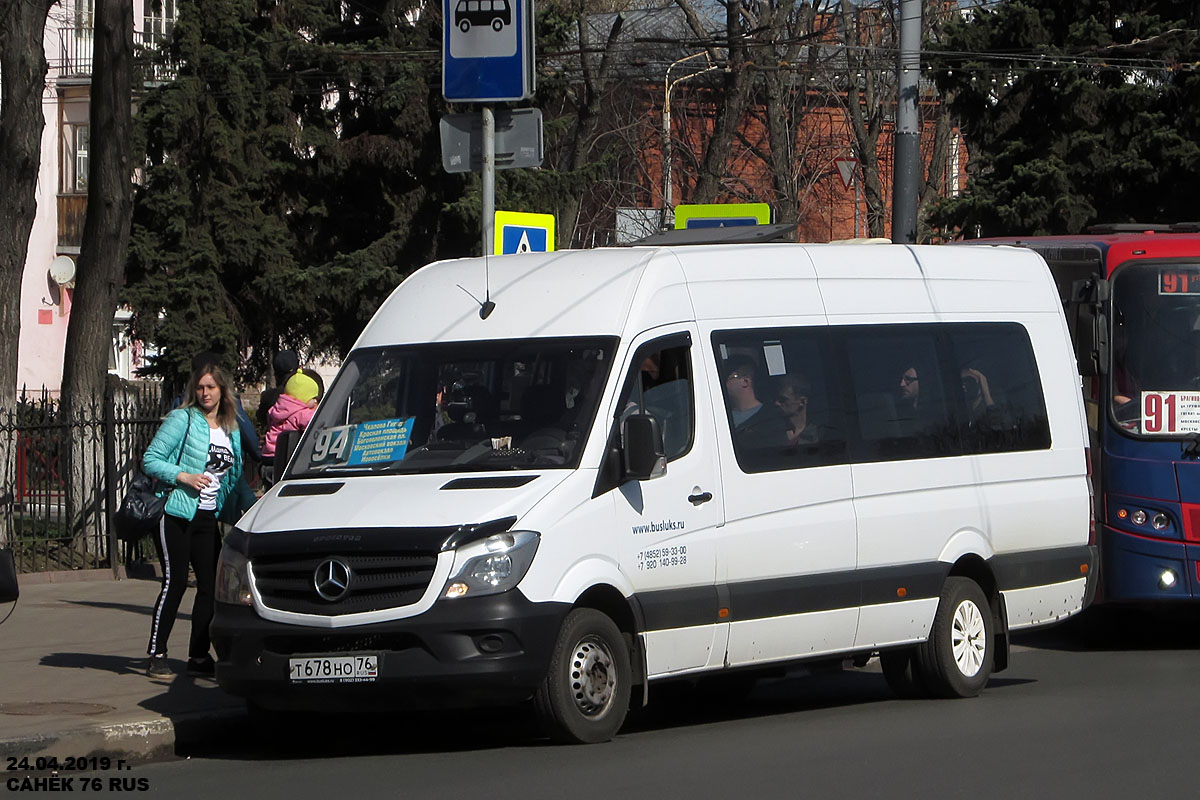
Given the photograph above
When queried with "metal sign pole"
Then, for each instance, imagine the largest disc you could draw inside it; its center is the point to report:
(907, 148)
(489, 180)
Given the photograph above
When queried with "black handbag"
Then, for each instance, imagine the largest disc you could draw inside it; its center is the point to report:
(142, 508)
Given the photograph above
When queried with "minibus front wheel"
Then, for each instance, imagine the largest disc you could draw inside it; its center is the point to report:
(585, 695)
(957, 659)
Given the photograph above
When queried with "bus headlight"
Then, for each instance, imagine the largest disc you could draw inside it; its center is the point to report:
(492, 565)
(233, 578)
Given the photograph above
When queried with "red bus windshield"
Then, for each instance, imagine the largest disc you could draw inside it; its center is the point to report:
(1155, 374)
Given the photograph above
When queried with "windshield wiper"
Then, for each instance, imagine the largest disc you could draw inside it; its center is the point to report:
(1191, 446)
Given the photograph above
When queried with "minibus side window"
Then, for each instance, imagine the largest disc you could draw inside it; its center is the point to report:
(901, 393)
(660, 383)
(1003, 407)
(780, 398)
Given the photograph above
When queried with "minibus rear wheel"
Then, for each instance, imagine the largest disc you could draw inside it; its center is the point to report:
(585, 695)
(956, 660)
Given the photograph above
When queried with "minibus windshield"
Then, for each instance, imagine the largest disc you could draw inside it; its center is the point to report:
(1155, 375)
(463, 406)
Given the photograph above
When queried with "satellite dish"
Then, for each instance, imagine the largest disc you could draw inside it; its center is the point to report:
(62, 270)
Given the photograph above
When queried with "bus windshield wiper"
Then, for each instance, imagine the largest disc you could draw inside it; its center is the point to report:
(1191, 446)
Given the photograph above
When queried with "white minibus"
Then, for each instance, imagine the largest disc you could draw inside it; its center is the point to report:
(567, 477)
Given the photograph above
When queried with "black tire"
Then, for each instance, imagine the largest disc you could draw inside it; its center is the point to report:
(497, 25)
(585, 695)
(957, 659)
(902, 674)
(464, 25)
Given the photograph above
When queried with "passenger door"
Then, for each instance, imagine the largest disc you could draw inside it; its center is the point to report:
(786, 556)
(666, 525)
(915, 490)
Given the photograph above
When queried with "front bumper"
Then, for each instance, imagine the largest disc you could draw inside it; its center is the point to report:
(493, 649)
(1133, 568)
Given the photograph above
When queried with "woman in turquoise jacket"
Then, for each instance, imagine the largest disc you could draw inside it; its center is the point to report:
(197, 452)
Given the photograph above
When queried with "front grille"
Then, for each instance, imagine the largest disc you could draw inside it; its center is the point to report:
(340, 643)
(378, 581)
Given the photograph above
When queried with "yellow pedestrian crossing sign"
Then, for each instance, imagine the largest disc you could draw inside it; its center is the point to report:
(721, 215)
(518, 232)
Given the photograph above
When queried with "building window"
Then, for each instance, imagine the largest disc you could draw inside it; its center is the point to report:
(158, 18)
(76, 142)
(82, 143)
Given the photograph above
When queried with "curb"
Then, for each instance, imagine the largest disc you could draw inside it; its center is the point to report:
(134, 741)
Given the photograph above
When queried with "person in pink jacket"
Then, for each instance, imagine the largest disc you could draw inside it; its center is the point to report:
(291, 412)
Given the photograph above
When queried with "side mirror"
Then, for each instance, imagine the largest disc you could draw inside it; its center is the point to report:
(1089, 325)
(644, 454)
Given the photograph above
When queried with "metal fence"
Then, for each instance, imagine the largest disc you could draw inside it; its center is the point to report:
(61, 479)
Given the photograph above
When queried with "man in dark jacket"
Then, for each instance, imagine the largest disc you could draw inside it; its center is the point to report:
(755, 426)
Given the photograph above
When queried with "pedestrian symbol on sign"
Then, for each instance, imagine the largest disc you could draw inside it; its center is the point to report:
(520, 239)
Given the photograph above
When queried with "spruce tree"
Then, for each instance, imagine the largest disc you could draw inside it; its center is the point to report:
(1075, 112)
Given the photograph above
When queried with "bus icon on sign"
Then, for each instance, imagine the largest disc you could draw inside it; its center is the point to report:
(496, 13)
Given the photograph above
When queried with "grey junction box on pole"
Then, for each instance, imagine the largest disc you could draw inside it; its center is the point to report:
(518, 140)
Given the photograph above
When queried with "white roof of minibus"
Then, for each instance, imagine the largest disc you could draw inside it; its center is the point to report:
(898, 281)
(606, 290)
(564, 293)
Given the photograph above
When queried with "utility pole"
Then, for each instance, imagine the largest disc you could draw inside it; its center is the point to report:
(488, 183)
(907, 145)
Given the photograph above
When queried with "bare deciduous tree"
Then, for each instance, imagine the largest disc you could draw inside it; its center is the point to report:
(22, 82)
(110, 206)
(101, 253)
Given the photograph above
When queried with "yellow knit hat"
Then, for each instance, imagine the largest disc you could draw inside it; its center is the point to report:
(301, 387)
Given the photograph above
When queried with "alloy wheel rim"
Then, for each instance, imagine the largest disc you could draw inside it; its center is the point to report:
(968, 638)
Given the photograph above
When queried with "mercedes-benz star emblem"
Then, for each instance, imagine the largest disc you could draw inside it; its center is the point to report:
(332, 579)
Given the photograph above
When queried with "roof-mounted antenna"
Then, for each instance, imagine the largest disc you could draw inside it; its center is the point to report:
(486, 306)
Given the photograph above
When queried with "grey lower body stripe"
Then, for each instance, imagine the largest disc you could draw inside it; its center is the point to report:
(1042, 567)
(777, 597)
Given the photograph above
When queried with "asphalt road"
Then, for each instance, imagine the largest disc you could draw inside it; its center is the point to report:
(1103, 707)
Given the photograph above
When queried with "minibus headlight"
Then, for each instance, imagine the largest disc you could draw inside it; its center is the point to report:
(492, 565)
(233, 578)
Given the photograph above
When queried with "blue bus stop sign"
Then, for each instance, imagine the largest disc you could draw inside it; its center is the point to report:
(487, 50)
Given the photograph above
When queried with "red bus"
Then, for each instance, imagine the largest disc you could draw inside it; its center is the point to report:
(1132, 297)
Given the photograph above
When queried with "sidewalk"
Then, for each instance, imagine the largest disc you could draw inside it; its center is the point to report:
(73, 682)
